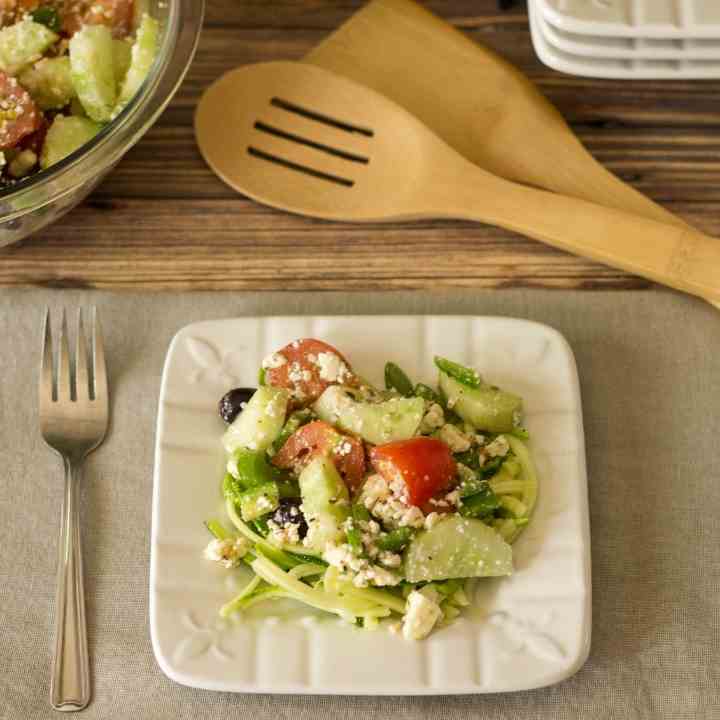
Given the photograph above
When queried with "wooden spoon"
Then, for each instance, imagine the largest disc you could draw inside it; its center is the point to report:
(474, 100)
(303, 139)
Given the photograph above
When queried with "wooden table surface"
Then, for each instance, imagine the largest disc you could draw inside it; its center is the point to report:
(163, 221)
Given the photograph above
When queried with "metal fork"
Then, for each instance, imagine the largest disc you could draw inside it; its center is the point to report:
(73, 422)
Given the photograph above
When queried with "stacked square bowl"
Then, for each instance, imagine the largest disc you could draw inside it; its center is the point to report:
(628, 38)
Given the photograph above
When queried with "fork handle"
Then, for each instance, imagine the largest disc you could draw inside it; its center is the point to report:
(70, 681)
(680, 257)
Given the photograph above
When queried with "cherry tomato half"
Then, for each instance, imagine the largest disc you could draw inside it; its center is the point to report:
(424, 464)
(309, 367)
(19, 115)
(320, 438)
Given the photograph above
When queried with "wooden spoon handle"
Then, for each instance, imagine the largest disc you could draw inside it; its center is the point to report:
(678, 256)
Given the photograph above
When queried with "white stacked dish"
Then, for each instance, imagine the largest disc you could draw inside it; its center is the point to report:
(673, 39)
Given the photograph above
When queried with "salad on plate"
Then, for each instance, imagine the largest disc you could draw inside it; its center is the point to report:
(370, 503)
(67, 69)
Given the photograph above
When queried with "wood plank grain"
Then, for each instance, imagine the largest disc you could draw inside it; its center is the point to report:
(236, 244)
(602, 103)
(162, 220)
(669, 166)
(328, 14)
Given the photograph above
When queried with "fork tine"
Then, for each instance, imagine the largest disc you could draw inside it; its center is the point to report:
(64, 373)
(99, 389)
(47, 390)
(82, 381)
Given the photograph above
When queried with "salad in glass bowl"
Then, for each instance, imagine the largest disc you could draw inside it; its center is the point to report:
(67, 69)
(370, 503)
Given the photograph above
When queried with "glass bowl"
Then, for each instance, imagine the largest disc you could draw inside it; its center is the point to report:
(44, 197)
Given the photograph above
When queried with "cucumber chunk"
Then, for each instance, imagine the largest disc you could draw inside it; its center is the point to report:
(93, 74)
(325, 502)
(259, 501)
(257, 426)
(22, 44)
(66, 135)
(144, 51)
(485, 407)
(377, 423)
(122, 56)
(457, 547)
(49, 82)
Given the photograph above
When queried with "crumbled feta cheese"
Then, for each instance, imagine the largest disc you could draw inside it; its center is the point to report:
(431, 520)
(389, 559)
(332, 368)
(343, 448)
(421, 616)
(275, 360)
(395, 513)
(314, 528)
(342, 557)
(412, 517)
(295, 373)
(375, 575)
(228, 552)
(389, 503)
(455, 439)
(453, 498)
(361, 570)
(499, 447)
(399, 489)
(374, 490)
(434, 418)
(288, 534)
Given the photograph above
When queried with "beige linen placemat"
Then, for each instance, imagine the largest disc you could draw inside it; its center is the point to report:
(649, 366)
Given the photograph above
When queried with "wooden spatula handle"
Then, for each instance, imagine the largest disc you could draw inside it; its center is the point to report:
(677, 256)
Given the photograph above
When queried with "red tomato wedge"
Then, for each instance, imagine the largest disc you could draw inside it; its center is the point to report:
(424, 464)
(309, 367)
(19, 115)
(116, 14)
(319, 438)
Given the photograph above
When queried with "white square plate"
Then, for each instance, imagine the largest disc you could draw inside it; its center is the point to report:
(637, 68)
(526, 631)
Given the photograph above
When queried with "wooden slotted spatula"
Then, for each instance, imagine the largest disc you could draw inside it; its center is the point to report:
(303, 139)
(474, 100)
